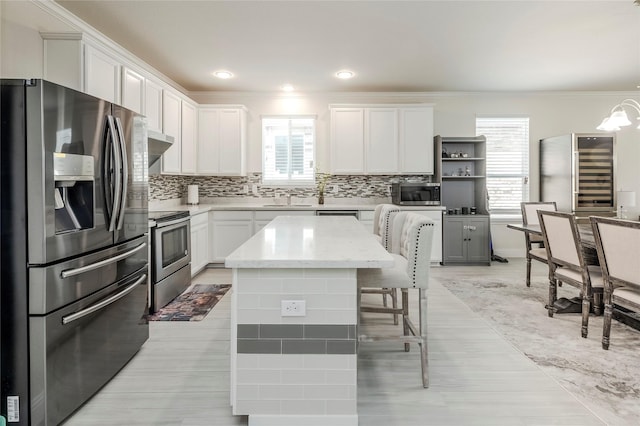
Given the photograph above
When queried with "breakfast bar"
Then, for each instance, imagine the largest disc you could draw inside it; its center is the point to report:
(294, 317)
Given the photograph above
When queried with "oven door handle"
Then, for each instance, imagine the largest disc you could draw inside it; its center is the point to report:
(77, 271)
(106, 302)
(171, 222)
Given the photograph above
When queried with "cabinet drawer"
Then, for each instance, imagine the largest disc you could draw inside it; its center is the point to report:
(199, 219)
(365, 215)
(272, 214)
(233, 215)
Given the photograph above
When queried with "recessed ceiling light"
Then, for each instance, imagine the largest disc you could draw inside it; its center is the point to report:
(344, 74)
(223, 74)
(287, 88)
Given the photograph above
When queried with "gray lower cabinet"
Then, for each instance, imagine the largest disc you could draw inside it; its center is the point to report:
(466, 240)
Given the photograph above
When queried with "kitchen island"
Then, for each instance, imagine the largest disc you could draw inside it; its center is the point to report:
(294, 317)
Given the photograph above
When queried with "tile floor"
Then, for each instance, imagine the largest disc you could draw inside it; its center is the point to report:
(181, 376)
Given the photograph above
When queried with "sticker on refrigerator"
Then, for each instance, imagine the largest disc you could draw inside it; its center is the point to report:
(13, 409)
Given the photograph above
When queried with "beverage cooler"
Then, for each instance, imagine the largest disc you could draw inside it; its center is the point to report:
(577, 171)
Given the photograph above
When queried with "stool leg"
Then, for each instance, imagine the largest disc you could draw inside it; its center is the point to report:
(394, 304)
(424, 352)
(405, 316)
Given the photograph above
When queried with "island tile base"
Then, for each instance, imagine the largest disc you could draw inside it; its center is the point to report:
(294, 370)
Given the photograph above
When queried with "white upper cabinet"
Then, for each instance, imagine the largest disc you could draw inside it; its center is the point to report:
(102, 74)
(153, 105)
(133, 90)
(189, 135)
(222, 140)
(381, 140)
(416, 140)
(393, 139)
(347, 140)
(63, 59)
(171, 125)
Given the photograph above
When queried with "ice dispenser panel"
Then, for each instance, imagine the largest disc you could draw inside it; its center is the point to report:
(74, 191)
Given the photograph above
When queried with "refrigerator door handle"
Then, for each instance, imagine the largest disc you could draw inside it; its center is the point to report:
(117, 175)
(104, 303)
(124, 176)
(77, 271)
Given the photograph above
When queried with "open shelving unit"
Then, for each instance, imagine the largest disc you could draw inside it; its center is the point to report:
(461, 169)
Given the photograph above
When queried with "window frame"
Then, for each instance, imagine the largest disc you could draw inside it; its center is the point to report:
(524, 161)
(289, 182)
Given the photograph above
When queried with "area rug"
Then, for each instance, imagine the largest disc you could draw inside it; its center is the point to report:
(607, 382)
(192, 305)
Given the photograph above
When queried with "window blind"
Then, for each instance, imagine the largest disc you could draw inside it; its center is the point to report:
(507, 161)
(288, 146)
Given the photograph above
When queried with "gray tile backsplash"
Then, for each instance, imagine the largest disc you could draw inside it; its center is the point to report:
(168, 187)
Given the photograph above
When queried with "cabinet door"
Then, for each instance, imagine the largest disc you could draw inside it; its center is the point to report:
(171, 117)
(199, 247)
(208, 125)
(381, 140)
(455, 240)
(228, 235)
(232, 142)
(133, 90)
(63, 60)
(153, 105)
(102, 75)
(479, 246)
(222, 141)
(189, 129)
(416, 140)
(347, 140)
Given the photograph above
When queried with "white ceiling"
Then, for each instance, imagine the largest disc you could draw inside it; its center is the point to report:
(397, 46)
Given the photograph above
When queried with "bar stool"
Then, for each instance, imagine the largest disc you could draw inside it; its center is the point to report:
(382, 217)
(411, 236)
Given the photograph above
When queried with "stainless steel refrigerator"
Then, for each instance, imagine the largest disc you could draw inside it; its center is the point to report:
(73, 247)
(578, 172)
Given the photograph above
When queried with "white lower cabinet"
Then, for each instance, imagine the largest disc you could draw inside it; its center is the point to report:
(229, 229)
(199, 242)
(366, 219)
(262, 218)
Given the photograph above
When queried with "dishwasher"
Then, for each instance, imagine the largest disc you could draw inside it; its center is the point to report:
(353, 213)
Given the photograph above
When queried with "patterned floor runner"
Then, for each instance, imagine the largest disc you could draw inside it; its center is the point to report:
(192, 305)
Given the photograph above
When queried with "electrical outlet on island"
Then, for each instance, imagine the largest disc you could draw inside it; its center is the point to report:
(293, 308)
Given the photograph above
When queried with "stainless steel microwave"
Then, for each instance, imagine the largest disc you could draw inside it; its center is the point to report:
(415, 193)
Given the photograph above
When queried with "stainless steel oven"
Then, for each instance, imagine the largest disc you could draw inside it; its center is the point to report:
(170, 256)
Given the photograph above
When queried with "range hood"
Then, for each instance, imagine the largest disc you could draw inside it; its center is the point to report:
(158, 144)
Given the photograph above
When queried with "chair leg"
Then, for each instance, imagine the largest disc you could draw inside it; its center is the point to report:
(528, 271)
(405, 316)
(424, 352)
(586, 308)
(384, 299)
(394, 304)
(553, 291)
(606, 330)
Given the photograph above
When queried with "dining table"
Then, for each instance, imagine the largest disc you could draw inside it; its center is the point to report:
(588, 244)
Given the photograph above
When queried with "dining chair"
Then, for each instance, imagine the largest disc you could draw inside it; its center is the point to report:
(411, 236)
(533, 242)
(566, 262)
(618, 247)
(382, 218)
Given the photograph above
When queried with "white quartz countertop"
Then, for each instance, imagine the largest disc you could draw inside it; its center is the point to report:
(311, 242)
(266, 206)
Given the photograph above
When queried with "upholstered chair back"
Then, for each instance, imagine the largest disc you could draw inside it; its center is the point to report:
(411, 237)
(561, 238)
(382, 219)
(618, 244)
(530, 216)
